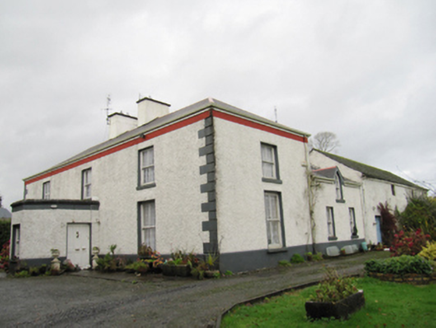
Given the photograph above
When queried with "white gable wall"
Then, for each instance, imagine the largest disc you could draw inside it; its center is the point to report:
(240, 189)
(114, 184)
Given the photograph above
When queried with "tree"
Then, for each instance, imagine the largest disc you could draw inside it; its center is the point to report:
(325, 141)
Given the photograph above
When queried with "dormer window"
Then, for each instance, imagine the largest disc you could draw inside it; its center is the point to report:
(338, 186)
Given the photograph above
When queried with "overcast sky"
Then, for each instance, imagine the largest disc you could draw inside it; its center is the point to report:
(365, 70)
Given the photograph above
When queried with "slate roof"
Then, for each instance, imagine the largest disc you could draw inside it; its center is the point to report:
(168, 119)
(370, 171)
(4, 213)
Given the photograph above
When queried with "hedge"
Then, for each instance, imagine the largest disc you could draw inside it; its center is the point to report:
(5, 231)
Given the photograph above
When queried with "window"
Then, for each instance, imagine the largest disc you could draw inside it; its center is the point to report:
(147, 214)
(86, 184)
(353, 227)
(338, 186)
(331, 223)
(269, 162)
(273, 220)
(146, 166)
(393, 190)
(46, 190)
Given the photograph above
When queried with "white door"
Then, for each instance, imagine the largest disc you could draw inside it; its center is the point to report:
(78, 245)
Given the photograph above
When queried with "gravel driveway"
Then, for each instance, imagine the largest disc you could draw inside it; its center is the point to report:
(88, 299)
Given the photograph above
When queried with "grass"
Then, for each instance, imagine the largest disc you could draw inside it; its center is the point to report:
(387, 305)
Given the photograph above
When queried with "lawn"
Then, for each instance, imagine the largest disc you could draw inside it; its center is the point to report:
(387, 305)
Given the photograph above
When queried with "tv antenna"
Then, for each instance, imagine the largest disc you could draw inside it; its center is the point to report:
(275, 113)
(107, 109)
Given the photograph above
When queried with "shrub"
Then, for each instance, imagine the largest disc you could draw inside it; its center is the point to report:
(5, 231)
(297, 258)
(333, 288)
(138, 266)
(420, 213)
(4, 256)
(408, 243)
(285, 263)
(400, 265)
(429, 252)
(388, 224)
(22, 274)
(317, 257)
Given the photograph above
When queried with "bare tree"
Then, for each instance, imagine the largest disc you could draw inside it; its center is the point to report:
(325, 141)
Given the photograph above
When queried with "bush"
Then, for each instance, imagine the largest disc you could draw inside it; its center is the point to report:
(388, 224)
(317, 257)
(333, 288)
(420, 213)
(400, 265)
(5, 231)
(297, 258)
(408, 243)
(285, 263)
(4, 256)
(429, 252)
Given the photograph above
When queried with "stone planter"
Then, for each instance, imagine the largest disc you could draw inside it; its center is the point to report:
(168, 270)
(339, 310)
(183, 270)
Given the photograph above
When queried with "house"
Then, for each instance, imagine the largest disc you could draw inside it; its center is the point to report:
(364, 188)
(207, 178)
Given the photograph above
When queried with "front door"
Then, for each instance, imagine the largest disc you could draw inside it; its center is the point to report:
(379, 235)
(78, 251)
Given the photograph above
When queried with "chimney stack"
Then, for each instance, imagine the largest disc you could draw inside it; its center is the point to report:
(149, 109)
(120, 123)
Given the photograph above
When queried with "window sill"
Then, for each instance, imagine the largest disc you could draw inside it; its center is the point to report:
(276, 250)
(333, 238)
(146, 186)
(354, 237)
(277, 181)
(340, 201)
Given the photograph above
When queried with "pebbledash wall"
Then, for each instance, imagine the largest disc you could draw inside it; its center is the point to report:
(325, 195)
(372, 193)
(176, 194)
(240, 188)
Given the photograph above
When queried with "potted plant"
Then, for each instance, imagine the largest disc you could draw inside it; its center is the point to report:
(309, 256)
(55, 253)
(335, 296)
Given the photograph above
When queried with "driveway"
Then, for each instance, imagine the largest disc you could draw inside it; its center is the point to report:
(88, 299)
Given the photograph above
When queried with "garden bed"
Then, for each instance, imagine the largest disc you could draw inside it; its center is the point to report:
(408, 278)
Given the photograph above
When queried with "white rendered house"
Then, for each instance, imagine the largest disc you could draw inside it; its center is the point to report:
(208, 178)
(362, 184)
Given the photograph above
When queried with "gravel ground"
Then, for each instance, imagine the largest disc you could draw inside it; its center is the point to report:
(88, 299)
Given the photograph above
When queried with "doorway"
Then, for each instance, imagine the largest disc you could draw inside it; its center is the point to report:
(378, 227)
(78, 244)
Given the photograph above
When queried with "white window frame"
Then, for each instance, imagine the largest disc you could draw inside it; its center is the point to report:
(46, 190)
(86, 184)
(147, 218)
(273, 220)
(269, 161)
(331, 230)
(146, 166)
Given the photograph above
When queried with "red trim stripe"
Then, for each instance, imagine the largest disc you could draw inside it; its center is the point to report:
(166, 129)
(125, 145)
(251, 124)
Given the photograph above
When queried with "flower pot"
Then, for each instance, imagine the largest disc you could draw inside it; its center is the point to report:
(168, 270)
(183, 270)
(339, 310)
(210, 273)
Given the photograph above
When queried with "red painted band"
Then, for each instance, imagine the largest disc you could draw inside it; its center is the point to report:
(258, 126)
(125, 145)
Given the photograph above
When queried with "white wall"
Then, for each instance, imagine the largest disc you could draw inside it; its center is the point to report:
(372, 193)
(240, 190)
(326, 196)
(42, 230)
(114, 182)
